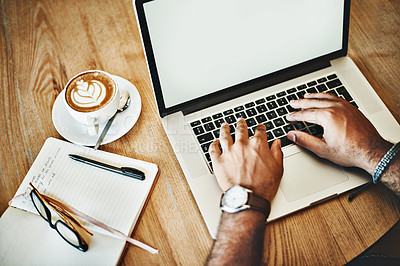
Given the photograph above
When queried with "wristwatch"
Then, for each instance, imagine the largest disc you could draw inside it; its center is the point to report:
(238, 198)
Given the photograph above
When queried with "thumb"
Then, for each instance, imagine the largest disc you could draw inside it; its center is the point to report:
(307, 141)
(276, 150)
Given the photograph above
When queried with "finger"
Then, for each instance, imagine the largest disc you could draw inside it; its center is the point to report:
(241, 132)
(225, 136)
(320, 95)
(314, 144)
(312, 103)
(260, 132)
(276, 149)
(214, 150)
(309, 115)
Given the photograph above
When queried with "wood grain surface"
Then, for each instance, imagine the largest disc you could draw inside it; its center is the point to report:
(44, 43)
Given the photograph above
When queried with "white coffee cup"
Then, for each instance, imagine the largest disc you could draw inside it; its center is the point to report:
(92, 98)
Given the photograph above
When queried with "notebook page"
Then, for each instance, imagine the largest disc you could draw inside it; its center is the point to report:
(111, 198)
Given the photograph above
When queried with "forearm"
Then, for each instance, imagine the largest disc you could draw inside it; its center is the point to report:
(240, 239)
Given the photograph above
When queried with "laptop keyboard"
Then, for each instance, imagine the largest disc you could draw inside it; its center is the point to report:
(270, 111)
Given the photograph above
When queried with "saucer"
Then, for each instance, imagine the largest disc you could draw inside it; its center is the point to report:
(77, 133)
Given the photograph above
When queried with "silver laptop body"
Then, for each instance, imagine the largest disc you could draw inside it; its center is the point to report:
(207, 57)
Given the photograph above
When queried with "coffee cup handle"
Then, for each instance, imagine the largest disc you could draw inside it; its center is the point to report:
(92, 126)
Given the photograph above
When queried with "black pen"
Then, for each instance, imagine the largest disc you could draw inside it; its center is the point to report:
(126, 171)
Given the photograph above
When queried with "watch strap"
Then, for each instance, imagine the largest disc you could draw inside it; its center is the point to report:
(258, 203)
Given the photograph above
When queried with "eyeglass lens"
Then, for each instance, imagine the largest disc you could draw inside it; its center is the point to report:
(40, 207)
(67, 233)
(64, 230)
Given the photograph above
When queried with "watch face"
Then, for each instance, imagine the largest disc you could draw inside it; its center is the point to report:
(235, 197)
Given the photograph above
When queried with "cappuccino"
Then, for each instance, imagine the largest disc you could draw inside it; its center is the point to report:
(90, 91)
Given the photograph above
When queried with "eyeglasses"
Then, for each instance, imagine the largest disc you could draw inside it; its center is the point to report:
(67, 227)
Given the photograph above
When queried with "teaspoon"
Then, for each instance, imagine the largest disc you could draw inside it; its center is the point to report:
(124, 102)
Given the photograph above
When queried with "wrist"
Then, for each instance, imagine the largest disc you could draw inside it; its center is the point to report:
(260, 190)
(375, 154)
(385, 162)
(238, 199)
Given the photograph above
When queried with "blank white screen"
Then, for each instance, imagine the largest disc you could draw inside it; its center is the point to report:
(202, 46)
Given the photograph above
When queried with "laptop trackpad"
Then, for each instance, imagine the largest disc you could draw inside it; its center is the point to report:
(306, 174)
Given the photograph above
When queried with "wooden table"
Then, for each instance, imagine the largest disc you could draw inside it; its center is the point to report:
(44, 43)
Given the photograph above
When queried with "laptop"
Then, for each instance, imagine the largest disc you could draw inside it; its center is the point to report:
(214, 61)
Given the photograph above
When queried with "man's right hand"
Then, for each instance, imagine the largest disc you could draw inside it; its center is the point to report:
(349, 138)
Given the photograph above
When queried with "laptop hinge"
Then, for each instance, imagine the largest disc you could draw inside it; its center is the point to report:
(253, 85)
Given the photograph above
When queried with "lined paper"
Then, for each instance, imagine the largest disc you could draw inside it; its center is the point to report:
(111, 198)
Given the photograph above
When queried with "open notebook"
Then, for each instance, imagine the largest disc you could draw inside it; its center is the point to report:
(111, 198)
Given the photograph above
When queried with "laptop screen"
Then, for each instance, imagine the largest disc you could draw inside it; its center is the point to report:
(201, 47)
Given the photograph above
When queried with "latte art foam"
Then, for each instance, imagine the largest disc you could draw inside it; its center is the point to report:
(88, 94)
(90, 91)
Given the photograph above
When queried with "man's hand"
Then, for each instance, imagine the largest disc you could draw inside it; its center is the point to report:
(349, 138)
(247, 162)
(251, 164)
